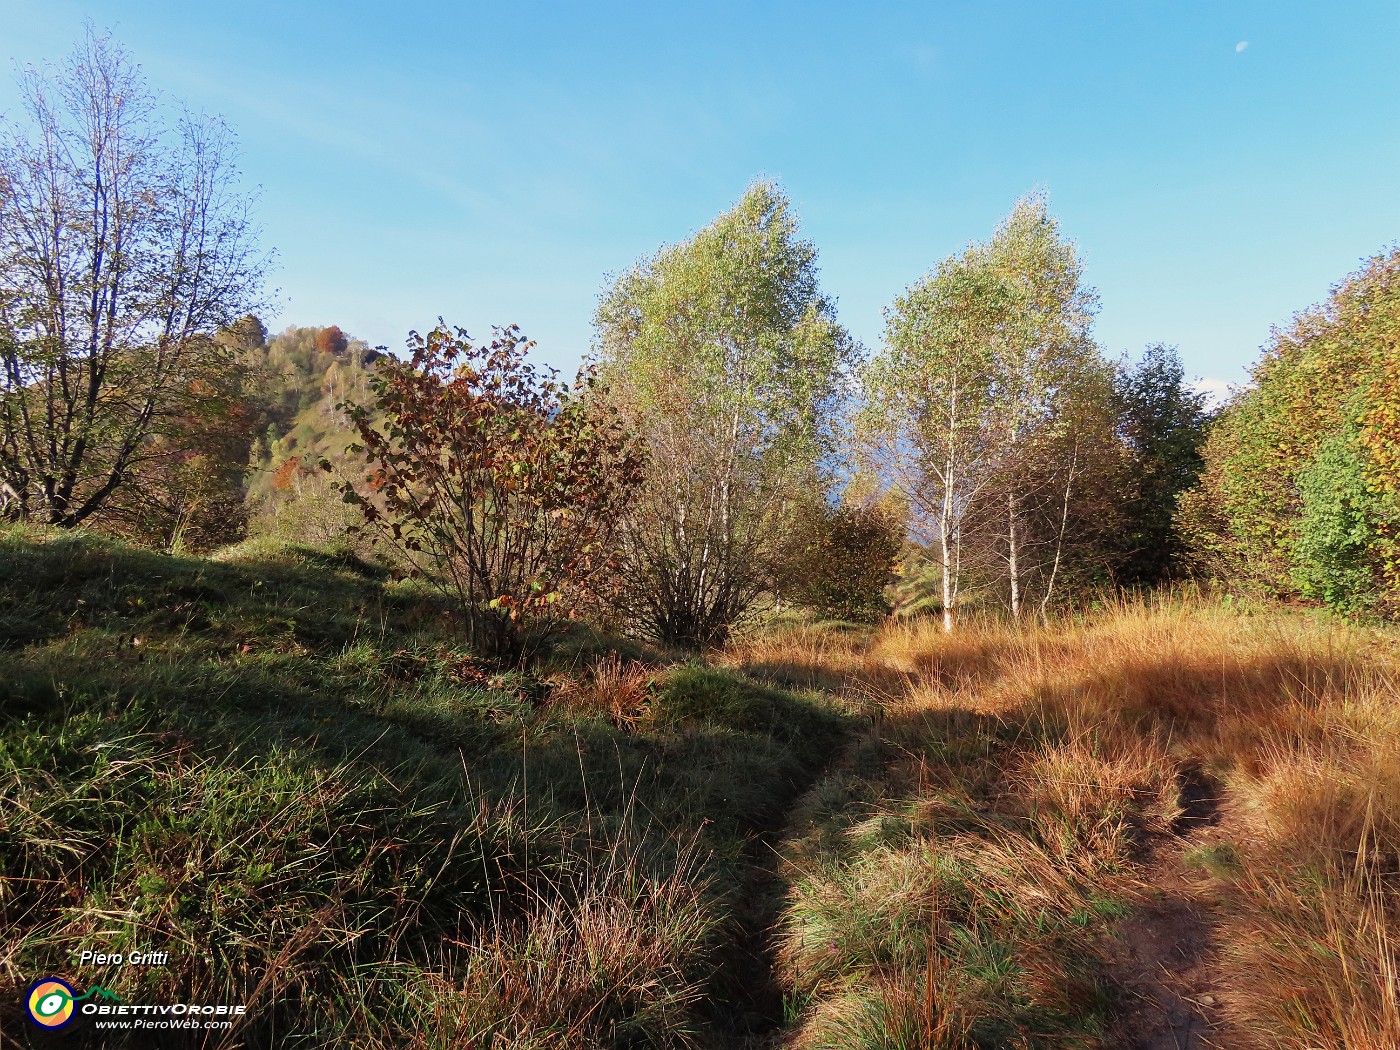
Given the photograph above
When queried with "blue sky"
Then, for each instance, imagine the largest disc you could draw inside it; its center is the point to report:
(493, 162)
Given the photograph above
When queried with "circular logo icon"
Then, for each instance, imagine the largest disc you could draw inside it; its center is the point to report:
(50, 1002)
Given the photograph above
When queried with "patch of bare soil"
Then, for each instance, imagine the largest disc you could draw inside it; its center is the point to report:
(1161, 954)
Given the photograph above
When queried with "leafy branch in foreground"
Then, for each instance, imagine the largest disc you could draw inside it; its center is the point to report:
(498, 483)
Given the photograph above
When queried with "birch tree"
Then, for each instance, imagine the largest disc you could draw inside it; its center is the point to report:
(728, 358)
(1043, 347)
(967, 403)
(1069, 477)
(930, 407)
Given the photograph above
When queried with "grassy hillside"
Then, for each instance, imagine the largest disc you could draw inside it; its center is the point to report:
(280, 769)
(1171, 824)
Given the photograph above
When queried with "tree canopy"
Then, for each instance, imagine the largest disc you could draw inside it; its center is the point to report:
(730, 361)
(125, 245)
(1164, 424)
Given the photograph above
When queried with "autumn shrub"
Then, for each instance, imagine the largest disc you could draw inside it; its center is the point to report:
(184, 490)
(839, 561)
(494, 480)
(1298, 491)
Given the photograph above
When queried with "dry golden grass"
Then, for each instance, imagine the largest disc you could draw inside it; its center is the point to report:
(606, 958)
(612, 688)
(1026, 767)
(815, 657)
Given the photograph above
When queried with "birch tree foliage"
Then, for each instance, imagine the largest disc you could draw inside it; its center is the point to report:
(729, 359)
(732, 326)
(981, 358)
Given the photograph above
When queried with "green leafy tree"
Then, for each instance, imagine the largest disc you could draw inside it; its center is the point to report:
(494, 481)
(1073, 474)
(1378, 438)
(125, 245)
(1044, 354)
(728, 359)
(1164, 424)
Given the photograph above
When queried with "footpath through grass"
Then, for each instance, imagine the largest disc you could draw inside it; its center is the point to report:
(283, 771)
(968, 873)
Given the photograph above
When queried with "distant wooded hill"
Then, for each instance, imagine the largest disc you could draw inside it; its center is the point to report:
(242, 456)
(298, 378)
(301, 376)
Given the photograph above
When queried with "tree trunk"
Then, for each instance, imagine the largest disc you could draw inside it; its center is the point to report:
(945, 526)
(1013, 567)
(1060, 541)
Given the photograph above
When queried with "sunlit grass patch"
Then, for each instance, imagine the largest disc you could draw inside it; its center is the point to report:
(1045, 762)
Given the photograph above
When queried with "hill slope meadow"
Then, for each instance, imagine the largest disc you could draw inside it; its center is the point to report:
(1164, 824)
(277, 767)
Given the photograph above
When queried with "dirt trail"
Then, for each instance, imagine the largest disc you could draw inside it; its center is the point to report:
(1161, 954)
(754, 1014)
(746, 993)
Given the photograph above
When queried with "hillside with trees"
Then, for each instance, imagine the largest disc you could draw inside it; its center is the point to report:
(751, 688)
(300, 380)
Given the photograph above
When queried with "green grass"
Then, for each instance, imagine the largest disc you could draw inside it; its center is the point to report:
(285, 770)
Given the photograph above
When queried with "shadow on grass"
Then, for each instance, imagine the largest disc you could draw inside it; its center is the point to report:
(229, 751)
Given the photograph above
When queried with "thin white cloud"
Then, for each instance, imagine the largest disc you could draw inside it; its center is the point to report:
(1241, 46)
(925, 56)
(1217, 391)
